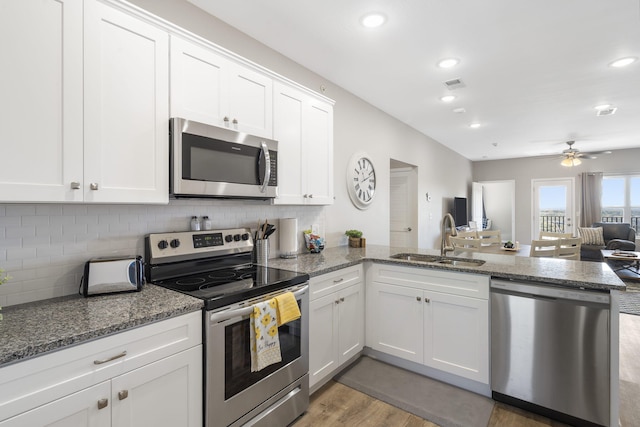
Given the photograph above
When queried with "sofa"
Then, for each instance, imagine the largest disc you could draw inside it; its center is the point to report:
(616, 236)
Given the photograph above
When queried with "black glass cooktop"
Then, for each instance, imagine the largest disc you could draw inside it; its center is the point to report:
(230, 285)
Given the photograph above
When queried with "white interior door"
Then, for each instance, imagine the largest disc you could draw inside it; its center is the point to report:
(403, 222)
(553, 206)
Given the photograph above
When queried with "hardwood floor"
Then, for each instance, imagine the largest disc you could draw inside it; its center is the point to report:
(338, 405)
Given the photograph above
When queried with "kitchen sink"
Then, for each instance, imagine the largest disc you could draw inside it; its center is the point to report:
(439, 260)
(461, 262)
(416, 257)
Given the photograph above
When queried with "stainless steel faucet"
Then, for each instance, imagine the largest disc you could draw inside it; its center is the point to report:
(452, 224)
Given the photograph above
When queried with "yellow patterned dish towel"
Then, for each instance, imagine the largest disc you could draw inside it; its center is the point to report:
(265, 344)
(288, 309)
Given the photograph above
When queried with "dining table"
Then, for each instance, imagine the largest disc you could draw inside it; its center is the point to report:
(499, 249)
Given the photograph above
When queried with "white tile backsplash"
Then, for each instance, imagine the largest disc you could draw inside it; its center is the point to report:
(43, 247)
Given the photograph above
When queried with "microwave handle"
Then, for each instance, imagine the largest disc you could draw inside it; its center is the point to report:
(267, 166)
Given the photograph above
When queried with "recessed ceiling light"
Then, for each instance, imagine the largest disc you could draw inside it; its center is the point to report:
(602, 107)
(474, 125)
(448, 62)
(623, 62)
(459, 110)
(447, 98)
(373, 20)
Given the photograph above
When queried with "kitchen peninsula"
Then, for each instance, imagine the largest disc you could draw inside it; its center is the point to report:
(345, 276)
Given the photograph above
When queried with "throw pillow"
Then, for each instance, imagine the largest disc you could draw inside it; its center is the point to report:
(591, 236)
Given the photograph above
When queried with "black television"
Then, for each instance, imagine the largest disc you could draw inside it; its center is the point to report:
(460, 211)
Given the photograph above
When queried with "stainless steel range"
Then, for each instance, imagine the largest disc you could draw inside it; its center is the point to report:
(216, 267)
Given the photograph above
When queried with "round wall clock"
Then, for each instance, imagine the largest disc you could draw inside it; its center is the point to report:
(361, 180)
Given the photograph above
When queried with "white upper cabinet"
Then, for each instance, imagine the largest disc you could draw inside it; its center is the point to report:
(303, 127)
(85, 104)
(210, 88)
(126, 108)
(41, 108)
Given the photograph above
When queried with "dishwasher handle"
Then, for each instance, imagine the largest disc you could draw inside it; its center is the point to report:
(548, 291)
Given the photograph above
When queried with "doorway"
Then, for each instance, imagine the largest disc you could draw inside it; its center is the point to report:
(494, 205)
(553, 205)
(403, 205)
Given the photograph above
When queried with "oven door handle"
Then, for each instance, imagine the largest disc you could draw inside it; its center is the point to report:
(240, 312)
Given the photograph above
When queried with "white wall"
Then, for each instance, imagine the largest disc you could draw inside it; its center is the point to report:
(525, 169)
(44, 246)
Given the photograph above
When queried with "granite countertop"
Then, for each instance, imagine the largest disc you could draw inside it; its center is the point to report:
(572, 274)
(31, 329)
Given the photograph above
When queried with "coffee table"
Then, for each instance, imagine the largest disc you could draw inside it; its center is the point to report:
(625, 264)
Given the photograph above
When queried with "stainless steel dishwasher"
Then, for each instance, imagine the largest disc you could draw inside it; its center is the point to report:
(550, 350)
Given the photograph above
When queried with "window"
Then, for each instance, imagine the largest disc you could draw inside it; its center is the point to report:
(621, 199)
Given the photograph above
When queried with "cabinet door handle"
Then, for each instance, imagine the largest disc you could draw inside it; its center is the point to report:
(226, 120)
(117, 356)
(123, 394)
(341, 299)
(75, 185)
(311, 196)
(337, 302)
(234, 121)
(418, 299)
(93, 186)
(427, 300)
(338, 280)
(103, 403)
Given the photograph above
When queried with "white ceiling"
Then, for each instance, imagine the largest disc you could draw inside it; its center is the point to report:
(534, 69)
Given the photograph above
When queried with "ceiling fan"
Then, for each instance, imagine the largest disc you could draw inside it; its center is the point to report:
(572, 156)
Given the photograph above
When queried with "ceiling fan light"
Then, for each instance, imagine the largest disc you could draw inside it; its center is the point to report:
(570, 161)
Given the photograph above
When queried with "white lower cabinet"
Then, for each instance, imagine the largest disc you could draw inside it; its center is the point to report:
(336, 321)
(150, 376)
(78, 409)
(436, 318)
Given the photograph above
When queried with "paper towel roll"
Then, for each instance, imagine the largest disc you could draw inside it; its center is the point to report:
(288, 237)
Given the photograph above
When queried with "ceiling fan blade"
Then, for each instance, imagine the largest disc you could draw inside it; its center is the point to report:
(598, 152)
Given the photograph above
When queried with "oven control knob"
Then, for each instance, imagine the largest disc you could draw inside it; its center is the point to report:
(245, 236)
(236, 237)
(162, 244)
(228, 238)
(175, 243)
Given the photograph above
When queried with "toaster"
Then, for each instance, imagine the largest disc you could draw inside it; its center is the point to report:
(112, 275)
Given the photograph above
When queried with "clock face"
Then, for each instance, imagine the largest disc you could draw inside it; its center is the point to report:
(361, 181)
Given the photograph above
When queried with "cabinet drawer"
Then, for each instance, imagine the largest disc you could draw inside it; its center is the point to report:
(40, 380)
(451, 282)
(334, 281)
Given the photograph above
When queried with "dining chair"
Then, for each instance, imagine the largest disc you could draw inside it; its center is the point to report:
(569, 248)
(465, 243)
(490, 237)
(473, 234)
(549, 235)
(544, 248)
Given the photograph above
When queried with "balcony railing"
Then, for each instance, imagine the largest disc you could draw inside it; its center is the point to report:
(555, 223)
(552, 223)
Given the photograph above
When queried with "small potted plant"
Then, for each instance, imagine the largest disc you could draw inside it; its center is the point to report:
(355, 237)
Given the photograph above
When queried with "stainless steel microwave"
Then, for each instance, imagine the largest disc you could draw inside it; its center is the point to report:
(210, 161)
